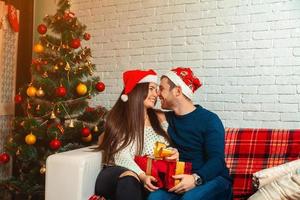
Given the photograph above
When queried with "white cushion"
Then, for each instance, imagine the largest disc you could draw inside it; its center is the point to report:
(265, 176)
(284, 188)
(72, 175)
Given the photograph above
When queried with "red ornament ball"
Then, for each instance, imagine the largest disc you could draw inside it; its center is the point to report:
(87, 36)
(100, 86)
(55, 144)
(18, 99)
(61, 91)
(42, 28)
(85, 132)
(4, 158)
(75, 43)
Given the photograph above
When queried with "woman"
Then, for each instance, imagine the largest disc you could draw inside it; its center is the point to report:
(132, 127)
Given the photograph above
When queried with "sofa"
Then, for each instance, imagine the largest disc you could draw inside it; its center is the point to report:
(71, 175)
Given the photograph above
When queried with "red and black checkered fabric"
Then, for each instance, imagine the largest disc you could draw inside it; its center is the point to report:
(250, 150)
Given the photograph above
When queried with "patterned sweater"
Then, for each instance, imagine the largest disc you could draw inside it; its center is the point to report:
(125, 158)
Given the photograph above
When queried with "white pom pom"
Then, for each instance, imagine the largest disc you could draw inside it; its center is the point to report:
(124, 97)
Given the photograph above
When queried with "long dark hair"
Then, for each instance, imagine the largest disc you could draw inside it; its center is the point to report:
(125, 123)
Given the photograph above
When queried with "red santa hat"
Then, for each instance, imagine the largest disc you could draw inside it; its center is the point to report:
(185, 78)
(133, 77)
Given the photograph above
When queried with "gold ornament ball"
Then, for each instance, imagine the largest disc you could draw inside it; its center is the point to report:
(30, 139)
(87, 139)
(43, 169)
(40, 92)
(81, 89)
(31, 91)
(38, 48)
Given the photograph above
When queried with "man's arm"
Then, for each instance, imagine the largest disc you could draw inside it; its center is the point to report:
(214, 149)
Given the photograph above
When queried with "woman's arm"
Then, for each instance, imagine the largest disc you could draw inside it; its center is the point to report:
(100, 138)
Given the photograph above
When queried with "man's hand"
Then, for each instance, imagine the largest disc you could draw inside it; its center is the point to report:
(174, 156)
(147, 180)
(187, 182)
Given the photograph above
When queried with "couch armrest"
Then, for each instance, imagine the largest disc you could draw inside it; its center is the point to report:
(72, 174)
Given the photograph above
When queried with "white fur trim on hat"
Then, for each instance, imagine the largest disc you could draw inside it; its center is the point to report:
(149, 78)
(179, 82)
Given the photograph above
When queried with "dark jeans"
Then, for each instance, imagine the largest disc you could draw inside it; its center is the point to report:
(217, 189)
(111, 186)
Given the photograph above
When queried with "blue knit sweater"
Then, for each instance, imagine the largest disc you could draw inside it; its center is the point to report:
(199, 138)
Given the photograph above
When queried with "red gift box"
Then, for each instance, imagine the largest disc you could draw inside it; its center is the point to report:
(163, 170)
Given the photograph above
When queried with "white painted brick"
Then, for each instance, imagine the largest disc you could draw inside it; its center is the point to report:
(285, 24)
(171, 2)
(211, 89)
(242, 106)
(256, 80)
(201, 23)
(218, 63)
(216, 106)
(289, 98)
(233, 20)
(201, 6)
(254, 98)
(219, 46)
(278, 34)
(246, 52)
(267, 107)
(239, 89)
(277, 89)
(290, 61)
(217, 30)
(296, 52)
(294, 117)
(254, 44)
(220, 80)
(231, 115)
(291, 42)
(242, 123)
(282, 80)
(194, 56)
(295, 32)
(210, 54)
(223, 97)
(263, 26)
(227, 54)
(170, 9)
(264, 116)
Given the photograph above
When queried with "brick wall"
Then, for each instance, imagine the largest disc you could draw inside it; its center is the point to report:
(247, 52)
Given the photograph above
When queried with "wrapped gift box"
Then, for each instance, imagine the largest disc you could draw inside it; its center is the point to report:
(163, 170)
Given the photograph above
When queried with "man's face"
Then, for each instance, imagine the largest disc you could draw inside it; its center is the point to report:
(166, 95)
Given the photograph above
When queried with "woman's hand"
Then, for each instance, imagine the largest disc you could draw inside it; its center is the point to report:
(174, 156)
(147, 181)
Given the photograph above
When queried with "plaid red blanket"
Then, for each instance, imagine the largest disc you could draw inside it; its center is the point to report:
(250, 150)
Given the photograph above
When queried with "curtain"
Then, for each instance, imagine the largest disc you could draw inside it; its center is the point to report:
(8, 64)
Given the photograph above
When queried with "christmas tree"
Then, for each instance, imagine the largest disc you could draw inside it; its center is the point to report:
(56, 114)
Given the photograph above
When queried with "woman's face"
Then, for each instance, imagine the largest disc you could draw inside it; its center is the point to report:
(151, 98)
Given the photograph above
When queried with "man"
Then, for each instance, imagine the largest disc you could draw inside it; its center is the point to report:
(198, 134)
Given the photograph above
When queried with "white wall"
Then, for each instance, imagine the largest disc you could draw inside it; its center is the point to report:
(246, 52)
